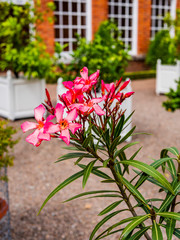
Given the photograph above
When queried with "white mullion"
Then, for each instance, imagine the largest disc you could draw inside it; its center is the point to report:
(88, 20)
(126, 24)
(78, 16)
(61, 23)
(120, 16)
(70, 24)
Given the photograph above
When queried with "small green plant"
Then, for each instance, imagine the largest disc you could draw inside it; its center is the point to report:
(106, 52)
(6, 143)
(22, 50)
(173, 101)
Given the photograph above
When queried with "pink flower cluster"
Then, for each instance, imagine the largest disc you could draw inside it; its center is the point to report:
(79, 103)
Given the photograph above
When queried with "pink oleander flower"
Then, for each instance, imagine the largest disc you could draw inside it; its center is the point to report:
(63, 125)
(71, 96)
(39, 134)
(84, 82)
(90, 106)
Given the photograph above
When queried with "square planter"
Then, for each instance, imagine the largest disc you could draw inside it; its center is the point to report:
(166, 76)
(126, 105)
(19, 97)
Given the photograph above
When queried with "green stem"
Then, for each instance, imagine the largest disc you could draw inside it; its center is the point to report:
(124, 195)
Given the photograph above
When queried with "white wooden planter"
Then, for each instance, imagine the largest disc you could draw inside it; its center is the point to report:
(126, 105)
(19, 97)
(166, 76)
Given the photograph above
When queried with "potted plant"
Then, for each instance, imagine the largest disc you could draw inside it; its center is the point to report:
(24, 54)
(6, 159)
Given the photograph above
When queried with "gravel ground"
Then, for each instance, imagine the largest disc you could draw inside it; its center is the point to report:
(34, 174)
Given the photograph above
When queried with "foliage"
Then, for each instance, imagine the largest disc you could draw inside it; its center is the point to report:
(140, 74)
(99, 148)
(6, 143)
(173, 101)
(22, 50)
(161, 47)
(106, 52)
(164, 46)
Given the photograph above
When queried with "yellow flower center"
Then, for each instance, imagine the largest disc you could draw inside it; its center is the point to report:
(40, 125)
(63, 124)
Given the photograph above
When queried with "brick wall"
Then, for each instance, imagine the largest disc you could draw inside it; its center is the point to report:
(46, 28)
(144, 24)
(99, 13)
(178, 4)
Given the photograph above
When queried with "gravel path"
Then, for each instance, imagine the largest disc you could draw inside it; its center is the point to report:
(34, 174)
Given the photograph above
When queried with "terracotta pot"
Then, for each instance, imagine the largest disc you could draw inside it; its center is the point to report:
(3, 208)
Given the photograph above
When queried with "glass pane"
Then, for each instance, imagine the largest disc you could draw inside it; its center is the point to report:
(57, 35)
(74, 20)
(123, 33)
(130, 34)
(130, 11)
(74, 7)
(56, 20)
(67, 48)
(83, 20)
(123, 10)
(130, 22)
(56, 6)
(65, 6)
(123, 22)
(65, 33)
(115, 10)
(65, 20)
(83, 7)
(83, 33)
(74, 31)
(74, 45)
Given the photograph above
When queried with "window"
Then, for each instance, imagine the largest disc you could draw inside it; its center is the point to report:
(124, 13)
(159, 8)
(72, 17)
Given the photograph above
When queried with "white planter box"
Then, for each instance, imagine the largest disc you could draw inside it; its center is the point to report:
(19, 97)
(126, 105)
(166, 76)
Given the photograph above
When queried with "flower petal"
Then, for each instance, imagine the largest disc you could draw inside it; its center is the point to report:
(49, 118)
(74, 127)
(33, 138)
(59, 112)
(44, 136)
(68, 84)
(97, 100)
(72, 115)
(124, 85)
(39, 112)
(98, 110)
(93, 77)
(84, 73)
(65, 136)
(51, 128)
(26, 126)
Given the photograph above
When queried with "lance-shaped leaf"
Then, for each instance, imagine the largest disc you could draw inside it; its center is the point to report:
(156, 232)
(132, 225)
(110, 207)
(125, 147)
(90, 193)
(119, 127)
(134, 191)
(155, 165)
(87, 172)
(173, 150)
(171, 223)
(169, 198)
(139, 234)
(74, 155)
(114, 144)
(172, 215)
(172, 168)
(151, 172)
(176, 231)
(127, 135)
(102, 222)
(61, 186)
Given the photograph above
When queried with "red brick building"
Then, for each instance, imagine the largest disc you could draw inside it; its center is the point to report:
(138, 20)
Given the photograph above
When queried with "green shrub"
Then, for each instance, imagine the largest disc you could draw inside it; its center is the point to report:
(140, 74)
(6, 143)
(173, 101)
(22, 50)
(161, 47)
(106, 52)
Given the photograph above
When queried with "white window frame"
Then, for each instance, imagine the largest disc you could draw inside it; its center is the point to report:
(172, 11)
(66, 55)
(134, 27)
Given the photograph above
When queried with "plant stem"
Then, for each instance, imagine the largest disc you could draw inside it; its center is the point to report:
(124, 195)
(174, 200)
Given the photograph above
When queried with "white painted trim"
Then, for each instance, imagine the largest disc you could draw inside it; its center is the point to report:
(133, 52)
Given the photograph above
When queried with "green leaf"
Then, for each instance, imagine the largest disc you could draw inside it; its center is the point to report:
(174, 151)
(125, 147)
(87, 141)
(61, 186)
(172, 168)
(74, 155)
(134, 155)
(134, 191)
(138, 234)
(127, 135)
(110, 207)
(177, 233)
(172, 215)
(150, 171)
(87, 172)
(102, 222)
(171, 223)
(119, 127)
(132, 225)
(89, 193)
(114, 144)
(156, 232)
